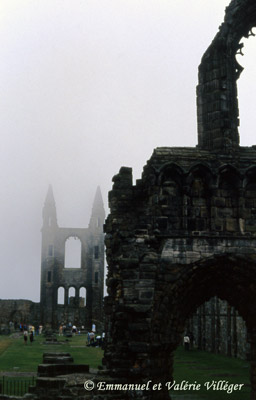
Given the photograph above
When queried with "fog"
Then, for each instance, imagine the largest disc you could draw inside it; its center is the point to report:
(87, 87)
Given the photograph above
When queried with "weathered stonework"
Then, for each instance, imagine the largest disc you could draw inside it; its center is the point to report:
(161, 268)
(54, 275)
(217, 105)
(16, 312)
(186, 231)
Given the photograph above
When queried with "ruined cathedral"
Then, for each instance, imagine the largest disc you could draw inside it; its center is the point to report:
(72, 294)
(186, 232)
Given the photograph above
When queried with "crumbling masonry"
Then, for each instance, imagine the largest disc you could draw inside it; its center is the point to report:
(84, 305)
(187, 230)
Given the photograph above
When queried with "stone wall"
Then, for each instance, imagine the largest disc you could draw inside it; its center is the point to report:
(217, 104)
(84, 306)
(182, 234)
(18, 312)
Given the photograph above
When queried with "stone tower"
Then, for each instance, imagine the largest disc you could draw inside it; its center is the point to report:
(72, 293)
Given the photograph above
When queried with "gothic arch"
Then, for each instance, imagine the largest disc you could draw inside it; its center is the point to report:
(230, 177)
(227, 277)
(171, 194)
(200, 169)
(171, 170)
(249, 178)
(198, 183)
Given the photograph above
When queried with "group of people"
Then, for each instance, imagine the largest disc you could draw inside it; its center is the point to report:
(30, 331)
(74, 330)
(93, 340)
(36, 330)
(29, 334)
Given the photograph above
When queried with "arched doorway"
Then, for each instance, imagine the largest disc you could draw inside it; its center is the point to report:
(230, 277)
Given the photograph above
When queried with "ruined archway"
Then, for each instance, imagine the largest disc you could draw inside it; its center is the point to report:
(186, 231)
(225, 276)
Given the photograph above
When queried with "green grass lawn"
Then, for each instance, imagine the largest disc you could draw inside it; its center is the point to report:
(199, 366)
(189, 366)
(4, 343)
(16, 356)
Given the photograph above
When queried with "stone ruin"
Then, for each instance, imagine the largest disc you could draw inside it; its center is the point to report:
(186, 232)
(84, 306)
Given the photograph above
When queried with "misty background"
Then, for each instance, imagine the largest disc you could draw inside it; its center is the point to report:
(88, 86)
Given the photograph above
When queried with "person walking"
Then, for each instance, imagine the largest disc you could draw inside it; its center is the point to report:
(25, 336)
(186, 342)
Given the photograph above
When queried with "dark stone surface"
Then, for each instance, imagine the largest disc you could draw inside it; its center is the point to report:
(187, 230)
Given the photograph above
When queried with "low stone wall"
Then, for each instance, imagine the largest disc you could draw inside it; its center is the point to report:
(16, 312)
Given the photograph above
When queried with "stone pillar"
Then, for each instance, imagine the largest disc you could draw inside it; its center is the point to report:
(252, 341)
(76, 297)
(213, 336)
(199, 329)
(234, 338)
(228, 330)
(66, 296)
(203, 328)
(218, 339)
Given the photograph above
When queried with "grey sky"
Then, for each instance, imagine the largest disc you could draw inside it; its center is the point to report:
(86, 87)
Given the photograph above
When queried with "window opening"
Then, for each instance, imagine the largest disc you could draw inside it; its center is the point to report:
(73, 252)
(50, 250)
(61, 295)
(96, 252)
(71, 296)
(82, 297)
